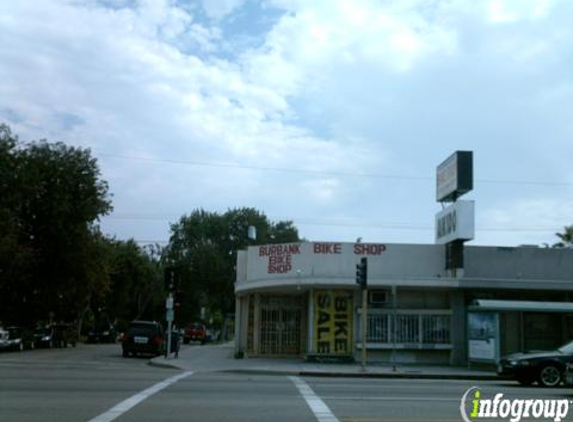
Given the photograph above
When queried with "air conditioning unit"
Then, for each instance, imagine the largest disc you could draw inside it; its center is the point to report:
(378, 297)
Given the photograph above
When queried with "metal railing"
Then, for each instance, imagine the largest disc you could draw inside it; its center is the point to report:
(420, 328)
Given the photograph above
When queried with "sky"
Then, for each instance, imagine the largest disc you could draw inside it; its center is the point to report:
(331, 113)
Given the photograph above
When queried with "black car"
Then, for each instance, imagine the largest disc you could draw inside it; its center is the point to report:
(143, 337)
(56, 335)
(20, 338)
(545, 368)
(102, 334)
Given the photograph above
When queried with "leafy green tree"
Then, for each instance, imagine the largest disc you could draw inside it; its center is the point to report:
(566, 238)
(51, 198)
(203, 248)
(136, 283)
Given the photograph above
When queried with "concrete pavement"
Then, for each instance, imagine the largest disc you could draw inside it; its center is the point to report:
(220, 358)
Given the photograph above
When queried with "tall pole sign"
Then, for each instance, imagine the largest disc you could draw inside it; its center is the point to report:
(455, 223)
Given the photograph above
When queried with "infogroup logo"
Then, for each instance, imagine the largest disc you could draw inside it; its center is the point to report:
(474, 407)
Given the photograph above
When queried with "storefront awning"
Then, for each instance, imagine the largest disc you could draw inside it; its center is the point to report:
(520, 306)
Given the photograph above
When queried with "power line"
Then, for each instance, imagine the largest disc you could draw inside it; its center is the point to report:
(321, 172)
(245, 167)
(377, 225)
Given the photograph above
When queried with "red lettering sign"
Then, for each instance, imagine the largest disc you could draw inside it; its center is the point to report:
(280, 257)
(369, 249)
(328, 248)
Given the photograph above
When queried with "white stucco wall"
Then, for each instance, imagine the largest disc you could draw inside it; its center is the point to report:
(330, 264)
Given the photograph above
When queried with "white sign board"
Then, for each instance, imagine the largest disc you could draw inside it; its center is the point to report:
(483, 336)
(169, 315)
(454, 177)
(456, 222)
(482, 350)
(447, 177)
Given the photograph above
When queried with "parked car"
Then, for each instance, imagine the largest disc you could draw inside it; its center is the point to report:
(55, 335)
(4, 339)
(102, 334)
(195, 332)
(545, 368)
(44, 337)
(19, 339)
(211, 335)
(568, 374)
(143, 337)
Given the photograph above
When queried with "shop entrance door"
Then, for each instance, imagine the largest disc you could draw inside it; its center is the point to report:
(280, 319)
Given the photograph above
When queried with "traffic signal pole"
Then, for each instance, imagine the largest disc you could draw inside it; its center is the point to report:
(364, 325)
(362, 281)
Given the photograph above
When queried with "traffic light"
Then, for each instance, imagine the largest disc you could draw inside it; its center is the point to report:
(362, 273)
(169, 279)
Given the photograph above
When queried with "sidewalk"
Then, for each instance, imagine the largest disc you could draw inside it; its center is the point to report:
(219, 358)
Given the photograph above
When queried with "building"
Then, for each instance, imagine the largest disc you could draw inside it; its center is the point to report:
(302, 299)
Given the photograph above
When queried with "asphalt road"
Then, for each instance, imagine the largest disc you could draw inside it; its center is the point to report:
(83, 384)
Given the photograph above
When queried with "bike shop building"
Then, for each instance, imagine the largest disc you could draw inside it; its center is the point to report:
(302, 299)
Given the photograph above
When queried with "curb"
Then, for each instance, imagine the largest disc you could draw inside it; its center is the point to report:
(461, 377)
(319, 374)
(164, 365)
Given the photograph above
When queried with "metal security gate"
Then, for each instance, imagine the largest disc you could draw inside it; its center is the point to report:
(280, 325)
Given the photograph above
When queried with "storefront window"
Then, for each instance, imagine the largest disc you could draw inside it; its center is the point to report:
(414, 328)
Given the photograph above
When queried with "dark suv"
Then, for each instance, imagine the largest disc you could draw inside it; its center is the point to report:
(143, 337)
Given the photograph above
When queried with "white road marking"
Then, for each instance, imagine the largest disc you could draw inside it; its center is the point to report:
(120, 408)
(318, 407)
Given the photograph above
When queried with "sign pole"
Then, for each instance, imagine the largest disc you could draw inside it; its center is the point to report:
(169, 317)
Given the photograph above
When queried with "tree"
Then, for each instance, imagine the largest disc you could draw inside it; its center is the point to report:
(566, 238)
(136, 282)
(51, 196)
(203, 249)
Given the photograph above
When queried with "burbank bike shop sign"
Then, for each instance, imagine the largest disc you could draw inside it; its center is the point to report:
(474, 407)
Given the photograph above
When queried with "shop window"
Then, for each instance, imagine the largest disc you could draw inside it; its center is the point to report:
(416, 328)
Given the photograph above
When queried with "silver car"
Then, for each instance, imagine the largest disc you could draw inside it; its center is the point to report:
(4, 342)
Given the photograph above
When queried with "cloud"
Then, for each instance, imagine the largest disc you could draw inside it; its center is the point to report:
(326, 91)
(218, 9)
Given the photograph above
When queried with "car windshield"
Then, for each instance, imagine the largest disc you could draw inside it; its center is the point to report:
(566, 349)
(135, 329)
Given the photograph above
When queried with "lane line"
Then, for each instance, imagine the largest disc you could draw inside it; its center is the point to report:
(317, 406)
(120, 408)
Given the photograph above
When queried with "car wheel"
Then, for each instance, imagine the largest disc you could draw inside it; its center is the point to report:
(549, 376)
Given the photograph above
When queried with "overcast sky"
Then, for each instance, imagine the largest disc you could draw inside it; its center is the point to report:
(333, 114)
